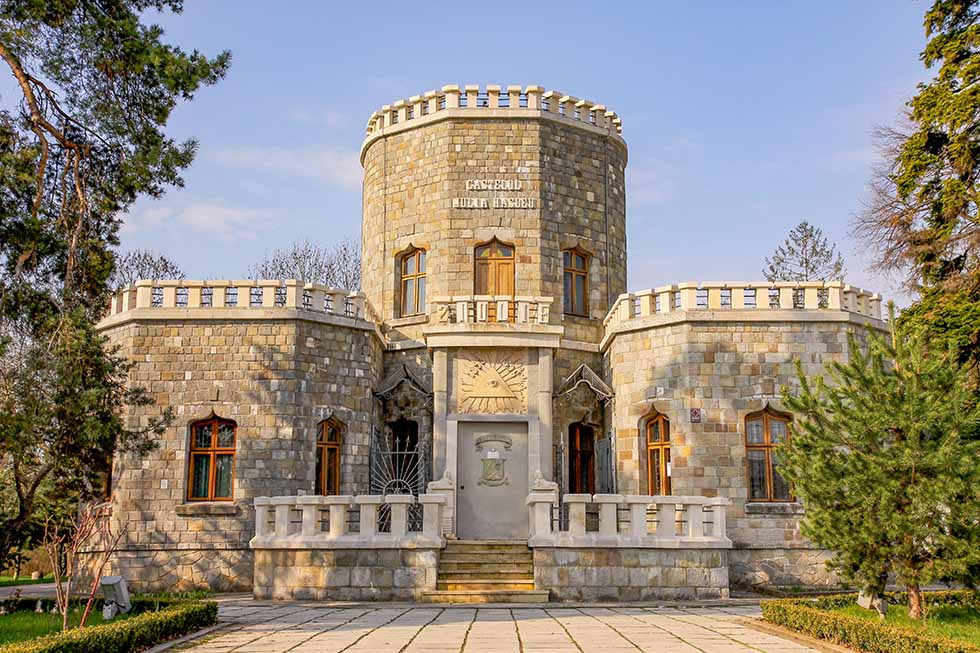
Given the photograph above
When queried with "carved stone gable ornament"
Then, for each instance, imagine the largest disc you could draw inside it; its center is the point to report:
(492, 382)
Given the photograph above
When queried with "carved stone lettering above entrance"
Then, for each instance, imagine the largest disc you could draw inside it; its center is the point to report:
(491, 381)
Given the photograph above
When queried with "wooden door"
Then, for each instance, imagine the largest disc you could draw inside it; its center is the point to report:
(581, 459)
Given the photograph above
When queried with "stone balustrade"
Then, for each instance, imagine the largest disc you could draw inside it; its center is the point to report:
(241, 294)
(632, 521)
(470, 309)
(493, 97)
(744, 296)
(323, 522)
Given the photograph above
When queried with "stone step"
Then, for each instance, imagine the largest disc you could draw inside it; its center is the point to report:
(485, 596)
(471, 575)
(488, 558)
(484, 584)
(456, 546)
(487, 567)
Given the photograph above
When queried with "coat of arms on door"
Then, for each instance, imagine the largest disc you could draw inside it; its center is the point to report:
(492, 381)
(494, 463)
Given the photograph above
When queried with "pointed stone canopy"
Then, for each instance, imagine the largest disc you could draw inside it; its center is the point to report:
(584, 374)
(401, 374)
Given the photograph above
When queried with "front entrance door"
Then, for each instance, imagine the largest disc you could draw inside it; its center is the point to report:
(581, 459)
(492, 473)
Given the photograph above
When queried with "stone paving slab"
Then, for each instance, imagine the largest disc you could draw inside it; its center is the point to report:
(268, 627)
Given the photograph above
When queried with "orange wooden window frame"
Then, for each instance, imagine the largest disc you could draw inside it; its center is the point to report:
(212, 452)
(500, 269)
(570, 270)
(662, 446)
(325, 445)
(418, 307)
(766, 446)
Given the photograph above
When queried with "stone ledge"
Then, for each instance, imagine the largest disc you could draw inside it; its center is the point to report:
(763, 508)
(227, 509)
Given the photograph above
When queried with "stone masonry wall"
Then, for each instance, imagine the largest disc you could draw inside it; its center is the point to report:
(345, 574)
(727, 369)
(277, 378)
(586, 574)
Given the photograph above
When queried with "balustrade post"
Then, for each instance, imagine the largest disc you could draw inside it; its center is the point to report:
(462, 311)
(169, 293)
(503, 310)
(283, 506)
(194, 295)
(317, 297)
(338, 301)
(451, 92)
(339, 504)
(523, 312)
(638, 506)
(262, 505)
(738, 297)
(647, 306)
(482, 308)
(539, 512)
(244, 292)
(357, 304)
(665, 294)
(432, 100)
(835, 295)
(432, 507)
(218, 291)
(874, 306)
(514, 96)
(576, 512)
(544, 310)
(399, 513)
(608, 517)
(551, 97)
(310, 506)
(268, 293)
(786, 295)
(666, 518)
(493, 96)
(695, 519)
(533, 94)
(368, 504)
(689, 296)
(811, 296)
(294, 294)
(472, 90)
(719, 518)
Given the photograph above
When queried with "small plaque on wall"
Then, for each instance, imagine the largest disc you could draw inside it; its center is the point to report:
(695, 416)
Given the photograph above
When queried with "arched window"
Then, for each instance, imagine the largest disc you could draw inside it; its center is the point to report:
(581, 459)
(494, 274)
(658, 454)
(411, 272)
(576, 281)
(212, 464)
(329, 437)
(764, 431)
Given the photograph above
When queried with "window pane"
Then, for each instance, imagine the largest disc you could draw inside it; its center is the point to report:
(568, 292)
(653, 431)
(222, 476)
(408, 264)
(483, 252)
(201, 465)
(408, 296)
(757, 475)
(332, 482)
(655, 471)
(777, 431)
(202, 436)
(579, 262)
(666, 431)
(579, 293)
(780, 488)
(504, 251)
(226, 436)
(319, 471)
(567, 259)
(421, 303)
(421, 261)
(667, 470)
(482, 270)
(753, 431)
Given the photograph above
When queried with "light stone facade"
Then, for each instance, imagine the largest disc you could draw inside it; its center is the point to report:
(492, 382)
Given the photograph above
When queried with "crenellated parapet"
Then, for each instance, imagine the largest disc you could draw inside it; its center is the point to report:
(491, 101)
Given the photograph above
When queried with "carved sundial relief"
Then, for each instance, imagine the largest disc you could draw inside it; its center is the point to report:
(492, 382)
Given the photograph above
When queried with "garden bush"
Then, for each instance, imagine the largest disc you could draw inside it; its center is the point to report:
(173, 619)
(815, 618)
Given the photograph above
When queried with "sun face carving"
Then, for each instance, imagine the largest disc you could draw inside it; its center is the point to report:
(492, 382)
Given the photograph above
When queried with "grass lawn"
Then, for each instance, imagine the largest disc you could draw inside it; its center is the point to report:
(18, 626)
(7, 581)
(956, 623)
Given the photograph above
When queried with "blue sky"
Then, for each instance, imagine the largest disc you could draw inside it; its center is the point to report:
(742, 118)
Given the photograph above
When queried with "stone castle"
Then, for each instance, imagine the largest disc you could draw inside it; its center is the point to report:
(492, 416)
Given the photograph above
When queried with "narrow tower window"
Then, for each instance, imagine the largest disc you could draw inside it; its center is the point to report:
(576, 282)
(328, 441)
(211, 474)
(765, 431)
(412, 280)
(658, 455)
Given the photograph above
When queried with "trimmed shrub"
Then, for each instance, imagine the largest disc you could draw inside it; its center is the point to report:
(814, 618)
(141, 631)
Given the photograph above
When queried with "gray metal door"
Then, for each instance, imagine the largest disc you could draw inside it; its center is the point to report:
(492, 473)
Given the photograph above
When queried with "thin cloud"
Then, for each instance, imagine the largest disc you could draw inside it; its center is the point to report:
(650, 182)
(337, 167)
(226, 222)
(330, 118)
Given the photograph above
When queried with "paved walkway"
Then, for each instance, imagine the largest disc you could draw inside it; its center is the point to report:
(256, 627)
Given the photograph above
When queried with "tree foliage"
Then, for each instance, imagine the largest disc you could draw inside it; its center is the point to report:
(805, 255)
(80, 139)
(885, 458)
(143, 264)
(338, 266)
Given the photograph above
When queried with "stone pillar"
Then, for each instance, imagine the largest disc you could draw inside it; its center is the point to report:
(576, 512)
(440, 397)
(608, 520)
(539, 451)
(399, 513)
(339, 504)
(432, 505)
(638, 514)
(369, 513)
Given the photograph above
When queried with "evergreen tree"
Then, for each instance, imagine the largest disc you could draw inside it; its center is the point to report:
(883, 459)
(81, 137)
(805, 255)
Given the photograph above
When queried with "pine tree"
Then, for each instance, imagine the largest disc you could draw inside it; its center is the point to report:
(882, 457)
(805, 255)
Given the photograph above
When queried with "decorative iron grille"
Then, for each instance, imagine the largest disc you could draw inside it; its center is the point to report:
(398, 471)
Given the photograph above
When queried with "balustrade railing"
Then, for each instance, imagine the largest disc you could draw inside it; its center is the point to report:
(488, 309)
(628, 521)
(298, 522)
(738, 296)
(492, 96)
(245, 293)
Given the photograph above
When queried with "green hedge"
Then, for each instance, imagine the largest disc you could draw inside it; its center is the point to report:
(140, 631)
(814, 618)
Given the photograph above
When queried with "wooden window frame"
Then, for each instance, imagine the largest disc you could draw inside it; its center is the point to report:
(767, 446)
(419, 256)
(494, 242)
(212, 452)
(661, 445)
(576, 273)
(575, 457)
(323, 449)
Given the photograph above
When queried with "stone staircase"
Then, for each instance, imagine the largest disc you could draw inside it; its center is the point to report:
(486, 571)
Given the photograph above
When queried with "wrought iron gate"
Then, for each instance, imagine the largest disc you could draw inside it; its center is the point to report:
(395, 471)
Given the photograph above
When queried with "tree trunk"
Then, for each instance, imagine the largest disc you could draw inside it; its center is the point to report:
(917, 606)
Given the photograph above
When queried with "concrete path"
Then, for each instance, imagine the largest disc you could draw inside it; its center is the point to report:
(258, 627)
